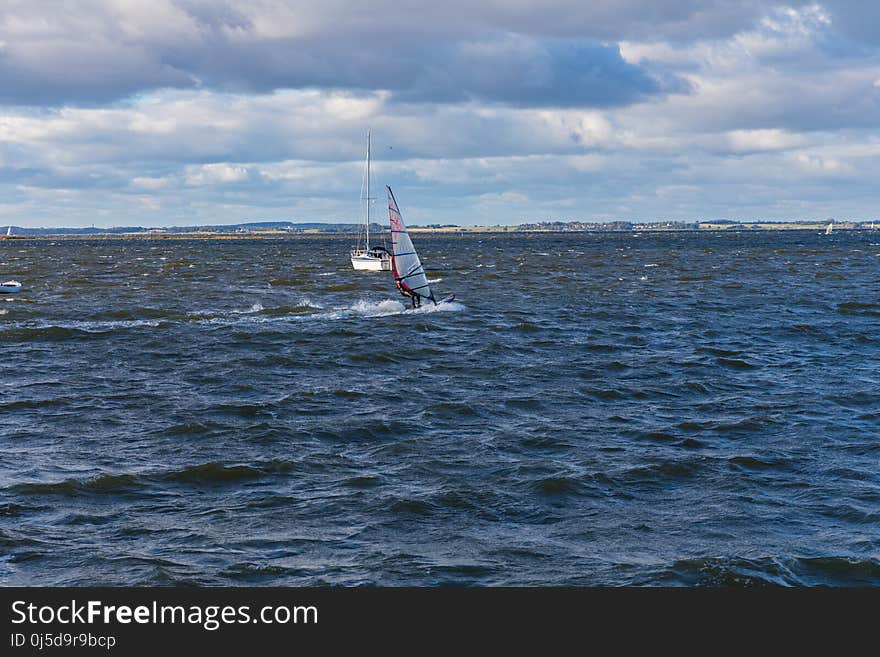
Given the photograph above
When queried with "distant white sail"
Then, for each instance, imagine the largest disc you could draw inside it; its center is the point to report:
(405, 264)
(9, 232)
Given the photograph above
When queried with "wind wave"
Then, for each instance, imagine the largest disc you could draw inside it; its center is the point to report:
(360, 308)
(32, 331)
(257, 307)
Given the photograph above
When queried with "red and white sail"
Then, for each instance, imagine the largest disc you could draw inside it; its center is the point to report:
(405, 264)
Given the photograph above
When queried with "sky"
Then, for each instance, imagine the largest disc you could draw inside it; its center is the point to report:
(483, 112)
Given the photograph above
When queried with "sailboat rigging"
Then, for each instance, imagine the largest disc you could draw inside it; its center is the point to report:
(409, 274)
(364, 257)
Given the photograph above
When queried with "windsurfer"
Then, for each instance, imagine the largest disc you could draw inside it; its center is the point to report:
(414, 298)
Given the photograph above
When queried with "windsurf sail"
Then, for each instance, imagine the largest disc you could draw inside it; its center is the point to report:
(405, 264)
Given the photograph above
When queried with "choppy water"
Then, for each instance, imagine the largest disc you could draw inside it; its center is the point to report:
(673, 409)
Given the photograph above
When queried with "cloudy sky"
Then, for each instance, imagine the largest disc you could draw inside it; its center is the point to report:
(172, 112)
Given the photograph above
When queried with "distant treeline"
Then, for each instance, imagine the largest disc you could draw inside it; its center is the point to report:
(351, 228)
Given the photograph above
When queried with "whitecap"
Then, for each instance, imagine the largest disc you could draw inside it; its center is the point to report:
(448, 306)
(377, 309)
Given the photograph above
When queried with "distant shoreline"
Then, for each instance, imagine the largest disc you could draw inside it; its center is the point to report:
(274, 229)
(444, 231)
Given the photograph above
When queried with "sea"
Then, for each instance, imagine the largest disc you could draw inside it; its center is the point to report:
(619, 409)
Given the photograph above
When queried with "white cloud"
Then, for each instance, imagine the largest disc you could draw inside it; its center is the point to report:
(763, 140)
(820, 165)
(217, 173)
(151, 184)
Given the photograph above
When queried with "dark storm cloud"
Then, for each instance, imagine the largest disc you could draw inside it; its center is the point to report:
(82, 78)
(560, 73)
(518, 53)
(515, 71)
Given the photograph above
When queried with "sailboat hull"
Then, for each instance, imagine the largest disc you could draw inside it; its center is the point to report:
(10, 287)
(370, 263)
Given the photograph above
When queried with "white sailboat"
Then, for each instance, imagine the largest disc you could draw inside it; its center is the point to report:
(363, 256)
(10, 287)
(829, 228)
(409, 274)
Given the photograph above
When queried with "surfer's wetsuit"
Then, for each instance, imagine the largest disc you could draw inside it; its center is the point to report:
(414, 298)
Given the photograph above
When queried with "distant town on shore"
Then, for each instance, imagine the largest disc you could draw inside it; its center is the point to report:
(277, 228)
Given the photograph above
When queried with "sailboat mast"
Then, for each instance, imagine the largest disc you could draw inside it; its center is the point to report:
(368, 190)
